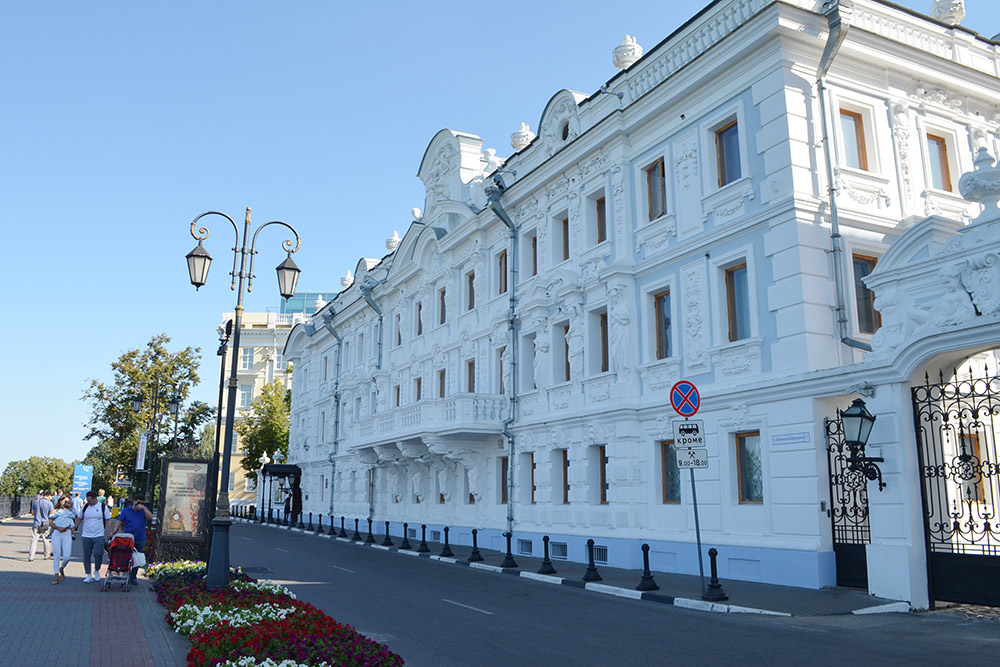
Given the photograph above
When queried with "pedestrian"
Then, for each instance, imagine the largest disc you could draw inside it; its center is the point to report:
(95, 520)
(77, 503)
(133, 519)
(61, 519)
(40, 525)
(100, 496)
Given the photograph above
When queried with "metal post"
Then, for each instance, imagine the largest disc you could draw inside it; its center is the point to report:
(591, 573)
(646, 583)
(697, 531)
(357, 536)
(508, 559)
(446, 550)
(343, 533)
(546, 567)
(319, 524)
(387, 542)
(714, 592)
(371, 538)
(475, 556)
(310, 526)
(423, 548)
(333, 526)
(405, 544)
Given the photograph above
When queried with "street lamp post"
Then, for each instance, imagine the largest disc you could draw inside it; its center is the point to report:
(153, 432)
(262, 484)
(199, 261)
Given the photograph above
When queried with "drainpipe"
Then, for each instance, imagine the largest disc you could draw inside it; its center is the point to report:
(838, 15)
(366, 291)
(328, 323)
(493, 201)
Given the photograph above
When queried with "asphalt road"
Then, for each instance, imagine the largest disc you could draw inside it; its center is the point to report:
(442, 614)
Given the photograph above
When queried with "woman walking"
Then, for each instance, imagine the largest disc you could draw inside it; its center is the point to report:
(61, 520)
(95, 518)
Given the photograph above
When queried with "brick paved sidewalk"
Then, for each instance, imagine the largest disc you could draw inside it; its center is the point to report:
(86, 622)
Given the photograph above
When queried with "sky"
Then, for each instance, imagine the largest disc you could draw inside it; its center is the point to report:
(122, 121)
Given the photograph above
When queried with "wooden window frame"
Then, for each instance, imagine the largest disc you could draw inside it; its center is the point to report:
(395, 394)
(662, 336)
(326, 365)
(859, 138)
(534, 254)
(661, 174)
(739, 468)
(504, 471)
(418, 389)
(565, 238)
(470, 375)
(605, 361)
(399, 329)
(602, 219)
(731, 311)
(942, 161)
(876, 316)
(565, 476)
(420, 318)
(442, 383)
(665, 473)
(602, 464)
(470, 284)
(442, 306)
(531, 461)
(720, 151)
(502, 272)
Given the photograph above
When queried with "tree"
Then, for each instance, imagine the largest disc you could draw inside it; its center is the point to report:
(36, 473)
(189, 443)
(265, 428)
(114, 424)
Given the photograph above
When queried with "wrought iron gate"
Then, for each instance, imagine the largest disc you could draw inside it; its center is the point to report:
(957, 425)
(848, 509)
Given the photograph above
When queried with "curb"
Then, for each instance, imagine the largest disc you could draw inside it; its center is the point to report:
(606, 589)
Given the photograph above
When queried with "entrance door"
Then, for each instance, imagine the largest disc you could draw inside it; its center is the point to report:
(848, 510)
(957, 422)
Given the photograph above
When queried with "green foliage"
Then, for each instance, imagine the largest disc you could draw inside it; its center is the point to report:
(265, 428)
(28, 476)
(116, 427)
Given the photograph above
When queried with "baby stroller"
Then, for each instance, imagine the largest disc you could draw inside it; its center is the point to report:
(120, 549)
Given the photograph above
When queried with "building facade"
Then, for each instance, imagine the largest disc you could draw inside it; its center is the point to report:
(766, 204)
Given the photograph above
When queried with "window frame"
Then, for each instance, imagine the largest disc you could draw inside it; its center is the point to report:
(534, 254)
(470, 286)
(944, 162)
(669, 473)
(418, 388)
(501, 265)
(602, 466)
(246, 357)
(565, 476)
(564, 233)
(504, 472)
(663, 335)
(418, 315)
(442, 383)
(876, 315)
(739, 439)
(602, 319)
(732, 314)
(442, 306)
(601, 218)
(721, 155)
(470, 376)
(662, 175)
(860, 138)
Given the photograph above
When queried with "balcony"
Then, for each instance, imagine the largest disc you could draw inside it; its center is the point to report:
(471, 414)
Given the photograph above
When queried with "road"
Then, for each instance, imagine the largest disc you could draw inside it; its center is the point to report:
(441, 614)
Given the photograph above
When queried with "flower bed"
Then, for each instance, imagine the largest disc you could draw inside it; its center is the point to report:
(257, 623)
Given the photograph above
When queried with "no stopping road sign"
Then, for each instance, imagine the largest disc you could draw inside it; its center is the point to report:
(685, 399)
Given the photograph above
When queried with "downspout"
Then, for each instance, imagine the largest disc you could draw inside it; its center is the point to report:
(366, 292)
(328, 322)
(838, 15)
(493, 201)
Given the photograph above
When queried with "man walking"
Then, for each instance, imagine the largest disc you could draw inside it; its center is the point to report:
(93, 517)
(77, 503)
(133, 519)
(40, 525)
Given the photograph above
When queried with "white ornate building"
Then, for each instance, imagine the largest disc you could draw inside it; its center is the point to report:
(709, 214)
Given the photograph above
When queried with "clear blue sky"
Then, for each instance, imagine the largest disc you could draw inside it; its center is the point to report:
(121, 121)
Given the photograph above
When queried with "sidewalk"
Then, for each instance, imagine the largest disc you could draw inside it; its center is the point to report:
(74, 623)
(677, 589)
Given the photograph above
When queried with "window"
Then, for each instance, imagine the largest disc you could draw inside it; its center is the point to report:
(322, 426)
(417, 389)
(661, 308)
(371, 483)
(470, 286)
(442, 310)
(602, 219)
(246, 358)
(603, 321)
(361, 348)
(564, 455)
(565, 238)
(937, 156)
(420, 318)
(534, 254)
(326, 364)
(869, 319)
(395, 395)
(602, 466)
(232, 482)
(503, 479)
(656, 189)
(246, 395)
(527, 478)
(749, 467)
(670, 475)
(441, 383)
(853, 128)
(399, 330)
(738, 302)
(565, 348)
(502, 272)
(249, 485)
(279, 360)
(470, 375)
(322, 487)
(500, 354)
(727, 147)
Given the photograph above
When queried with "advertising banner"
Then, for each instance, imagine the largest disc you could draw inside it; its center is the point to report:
(83, 477)
(140, 455)
(184, 499)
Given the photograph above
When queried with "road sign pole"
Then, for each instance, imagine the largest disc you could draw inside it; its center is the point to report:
(697, 531)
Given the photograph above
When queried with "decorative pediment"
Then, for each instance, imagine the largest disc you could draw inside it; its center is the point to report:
(452, 160)
(560, 123)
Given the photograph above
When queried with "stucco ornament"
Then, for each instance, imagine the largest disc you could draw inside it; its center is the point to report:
(392, 242)
(948, 11)
(982, 185)
(347, 279)
(620, 315)
(627, 52)
(540, 357)
(954, 306)
(574, 340)
(524, 136)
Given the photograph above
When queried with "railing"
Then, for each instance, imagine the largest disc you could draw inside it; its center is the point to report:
(12, 506)
(284, 319)
(479, 413)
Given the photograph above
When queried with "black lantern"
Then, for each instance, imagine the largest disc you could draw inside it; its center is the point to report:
(198, 263)
(137, 404)
(858, 423)
(175, 405)
(288, 277)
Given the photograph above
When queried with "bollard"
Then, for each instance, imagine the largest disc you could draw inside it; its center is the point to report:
(423, 548)
(405, 544)
(356, 536)
(270, 515)
(508, 560)
(446, 549)
(310, 528)
(343, 533)
(333, 526)
(591, 573)
(646, 583)
(546, 567)
(475, 556)
(387, 542)
(263, 517)
(302, 526)
(714, 592)
(371, 538)
(319, 525)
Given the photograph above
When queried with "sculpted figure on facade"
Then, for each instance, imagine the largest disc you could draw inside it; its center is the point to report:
(538, 361)
(955, 305)
(620, 317)
(574, 340)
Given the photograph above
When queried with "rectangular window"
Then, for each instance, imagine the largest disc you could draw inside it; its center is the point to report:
(503, 479)
(470, 285)
(395, 395)
(232, 482)
(565, 347)
(531, 466)
(361, 348)
(656, 189)
(602, 465)
(671, 487)
(322, 426)
(661, 308)
(500, 353)
(246, 358)
(246, 395)
(565, 238)
(852, 126)
(738, 302)
(534, 254)
(279, 360)
(325, 367)
(502, 272)
(470, 375)
(727, 146)
(869, 319)
(937, 156)
(441, 383)
(417, 389)
(602, 220)
(604, 342)
(442, 309)
(565, 476)
(420, 318)
(399, 330)
(750, 467)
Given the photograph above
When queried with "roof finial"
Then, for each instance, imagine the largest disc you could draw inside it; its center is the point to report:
(522, 137)
(948, 11)
(627, 52)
